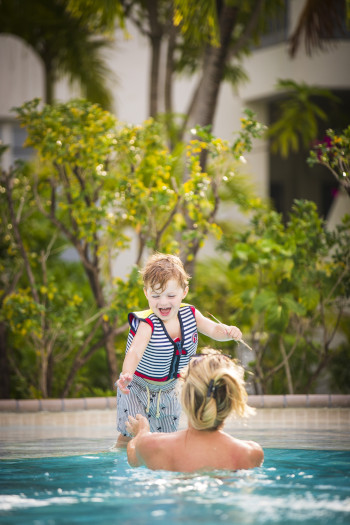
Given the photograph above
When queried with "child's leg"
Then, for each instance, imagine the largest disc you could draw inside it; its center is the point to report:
(122, 441)
(127, 405)
(168, 409)
(162, 409)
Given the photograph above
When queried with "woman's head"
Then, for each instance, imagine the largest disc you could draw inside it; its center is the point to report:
(213, 388)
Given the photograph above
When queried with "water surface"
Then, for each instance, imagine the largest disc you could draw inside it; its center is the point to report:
(292, 487)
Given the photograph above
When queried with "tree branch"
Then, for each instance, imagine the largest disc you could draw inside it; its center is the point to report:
(249, 29)
(167, 222)
(286, 358)
(8, 182)
(56, 222)
(80, 359)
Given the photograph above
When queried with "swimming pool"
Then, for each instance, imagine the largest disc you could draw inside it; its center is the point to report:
(57, 468)
(292, 487)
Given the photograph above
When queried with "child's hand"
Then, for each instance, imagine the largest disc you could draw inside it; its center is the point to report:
(136, 425)
(123, 381)
(233, 332)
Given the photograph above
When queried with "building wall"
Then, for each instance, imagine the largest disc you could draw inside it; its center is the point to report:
(327, 69)
(22, 79)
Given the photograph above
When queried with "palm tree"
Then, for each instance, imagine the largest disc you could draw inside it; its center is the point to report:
(208, 37)
(65, 40)
(319, 21)
(299, 118)
(300, 113)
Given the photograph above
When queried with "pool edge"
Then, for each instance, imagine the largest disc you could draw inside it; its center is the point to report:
(101, 403)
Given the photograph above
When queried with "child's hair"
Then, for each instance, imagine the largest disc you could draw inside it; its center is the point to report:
(213, 388)
(160, 268)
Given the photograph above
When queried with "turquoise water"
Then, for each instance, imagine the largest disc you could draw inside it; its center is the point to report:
(292, 487)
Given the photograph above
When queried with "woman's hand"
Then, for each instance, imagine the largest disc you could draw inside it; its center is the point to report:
(137, 424)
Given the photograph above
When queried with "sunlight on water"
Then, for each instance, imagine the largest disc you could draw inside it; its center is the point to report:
(293, 487)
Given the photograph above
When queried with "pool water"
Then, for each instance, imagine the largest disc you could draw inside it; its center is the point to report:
(292, 487)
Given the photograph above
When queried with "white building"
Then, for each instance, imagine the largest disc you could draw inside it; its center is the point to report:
(22, 79)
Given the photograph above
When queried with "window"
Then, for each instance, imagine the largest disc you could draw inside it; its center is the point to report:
(277, 29)
(19, 135)
(13, 135)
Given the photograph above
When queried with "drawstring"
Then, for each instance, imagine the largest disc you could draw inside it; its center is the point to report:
(158, 401)
(149, 402)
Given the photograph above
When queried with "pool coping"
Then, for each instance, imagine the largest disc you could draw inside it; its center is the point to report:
(101, 403)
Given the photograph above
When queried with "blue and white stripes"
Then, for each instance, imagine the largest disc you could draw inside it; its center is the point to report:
(158, 357)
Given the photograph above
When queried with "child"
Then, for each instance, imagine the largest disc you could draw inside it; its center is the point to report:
(213, 388)
(160, 343)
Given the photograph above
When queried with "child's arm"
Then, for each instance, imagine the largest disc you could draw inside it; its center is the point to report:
(217, 331)
(134, 355)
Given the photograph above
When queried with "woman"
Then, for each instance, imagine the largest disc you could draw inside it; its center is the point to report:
(213, 388)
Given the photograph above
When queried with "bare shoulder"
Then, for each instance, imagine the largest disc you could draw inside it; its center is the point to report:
(244, 454)
(253, 455)
(153, 449)
(144, 328)
(143, 334)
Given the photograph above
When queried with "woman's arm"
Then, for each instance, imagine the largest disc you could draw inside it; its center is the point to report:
(134, 355)
(140, 429)
(217, 331)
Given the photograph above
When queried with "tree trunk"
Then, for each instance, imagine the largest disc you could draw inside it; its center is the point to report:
(80, 359)
(111, 355)
(168, 84)
(49, 82)
(205, 106)
(259, 376)
(50, 372)
(321, 366)
(43, 373)
(100, 303)
(286, 367)
(154, 77)
(156, 35)
(4, 364)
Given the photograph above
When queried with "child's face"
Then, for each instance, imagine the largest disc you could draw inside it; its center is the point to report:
(166, 303)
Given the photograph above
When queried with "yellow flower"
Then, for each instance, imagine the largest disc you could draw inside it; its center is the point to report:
(77, 299)
(177, 18)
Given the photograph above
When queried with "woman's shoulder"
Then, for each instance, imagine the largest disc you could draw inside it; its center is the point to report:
(247, 454)
(157, 449)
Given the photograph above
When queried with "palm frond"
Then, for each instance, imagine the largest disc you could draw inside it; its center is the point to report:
(320, 20)
(66, 42)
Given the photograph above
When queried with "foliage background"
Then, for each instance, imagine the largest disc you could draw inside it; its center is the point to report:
(62, 326)
(285, 284)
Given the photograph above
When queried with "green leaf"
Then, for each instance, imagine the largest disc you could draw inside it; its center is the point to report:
(289, 302)
(264, 300)
(277, 317)
(309, 298)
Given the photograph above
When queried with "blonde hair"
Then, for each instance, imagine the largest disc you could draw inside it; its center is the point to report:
(213, 388)
(160, 268)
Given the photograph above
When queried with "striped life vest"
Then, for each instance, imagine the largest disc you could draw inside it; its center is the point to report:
(163, 357)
